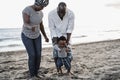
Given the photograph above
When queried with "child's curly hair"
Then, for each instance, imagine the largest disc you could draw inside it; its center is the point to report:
(61, 38)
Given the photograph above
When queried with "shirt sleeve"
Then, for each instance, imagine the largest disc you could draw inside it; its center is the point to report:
(52, 26)
(70, 23)
(56, 48)
(26, 10)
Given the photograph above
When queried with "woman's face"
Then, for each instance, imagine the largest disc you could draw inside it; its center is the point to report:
(38, 8)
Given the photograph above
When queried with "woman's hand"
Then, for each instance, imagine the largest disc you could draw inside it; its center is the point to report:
(33, 29)
(46, 39)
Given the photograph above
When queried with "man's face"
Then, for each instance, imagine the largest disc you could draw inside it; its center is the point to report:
(61, 10)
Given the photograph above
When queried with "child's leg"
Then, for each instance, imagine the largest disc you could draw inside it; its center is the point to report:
(55, 57)
(55, 60)
(67, 64)
(59, 64)
(68, 70)
(60, 70)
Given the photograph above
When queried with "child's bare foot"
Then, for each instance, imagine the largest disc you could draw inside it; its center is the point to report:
(61, 71)
(68, 72)
(57, 70)
(60, 74)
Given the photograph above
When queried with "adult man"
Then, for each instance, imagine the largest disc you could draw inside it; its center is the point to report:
(61, 23)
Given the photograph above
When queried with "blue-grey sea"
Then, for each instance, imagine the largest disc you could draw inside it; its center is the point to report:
(10, 38)
(95, 20)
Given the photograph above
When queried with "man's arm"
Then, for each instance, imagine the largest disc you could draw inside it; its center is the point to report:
(68, 37)
(70, 26)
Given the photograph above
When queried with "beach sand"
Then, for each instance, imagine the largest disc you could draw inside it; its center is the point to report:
(91, 61)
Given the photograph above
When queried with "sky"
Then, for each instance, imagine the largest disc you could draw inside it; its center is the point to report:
(89, 14)
(11, 16)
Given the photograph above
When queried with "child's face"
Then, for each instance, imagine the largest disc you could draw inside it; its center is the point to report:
(62, 43)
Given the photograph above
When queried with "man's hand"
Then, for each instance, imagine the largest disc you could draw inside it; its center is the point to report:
(54, 40)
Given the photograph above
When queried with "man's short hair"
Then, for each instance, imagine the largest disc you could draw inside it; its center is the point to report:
(62, 4)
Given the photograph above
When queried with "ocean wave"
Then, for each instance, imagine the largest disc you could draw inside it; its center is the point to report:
(79, 36)
(11, 45)
(4, 39)
(112, 31)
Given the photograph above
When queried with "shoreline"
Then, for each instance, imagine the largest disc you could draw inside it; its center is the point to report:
(91, 61)
(76, 44)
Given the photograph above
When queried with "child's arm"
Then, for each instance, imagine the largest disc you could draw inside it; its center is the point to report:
(56, 47)
(69, 53)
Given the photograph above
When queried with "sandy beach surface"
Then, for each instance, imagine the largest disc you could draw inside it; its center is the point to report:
(91, 61)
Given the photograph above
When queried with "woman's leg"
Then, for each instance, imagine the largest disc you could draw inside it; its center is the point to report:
(38, 49)
(29, 45)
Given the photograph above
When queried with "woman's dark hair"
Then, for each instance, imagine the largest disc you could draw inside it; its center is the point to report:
(61, 38)
(43, 3)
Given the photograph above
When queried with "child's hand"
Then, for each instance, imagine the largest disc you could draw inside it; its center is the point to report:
(67, 50)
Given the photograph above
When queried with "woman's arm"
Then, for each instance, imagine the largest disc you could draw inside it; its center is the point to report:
(26, 19)
(43, 32)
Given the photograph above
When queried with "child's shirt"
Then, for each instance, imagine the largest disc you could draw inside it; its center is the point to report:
(61, 52)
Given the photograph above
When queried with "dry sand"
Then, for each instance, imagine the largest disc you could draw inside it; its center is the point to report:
(92, 61)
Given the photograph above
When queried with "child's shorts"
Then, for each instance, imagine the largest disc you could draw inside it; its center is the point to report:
(64, 61)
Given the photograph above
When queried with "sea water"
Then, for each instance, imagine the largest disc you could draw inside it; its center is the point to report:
(95, 20)
(10, 38)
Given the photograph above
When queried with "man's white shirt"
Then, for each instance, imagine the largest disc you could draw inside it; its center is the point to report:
(60, 27)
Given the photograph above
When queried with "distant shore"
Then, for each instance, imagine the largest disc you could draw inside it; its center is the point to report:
(91, 61)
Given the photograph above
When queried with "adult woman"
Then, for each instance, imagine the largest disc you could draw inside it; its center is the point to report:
(31, 37)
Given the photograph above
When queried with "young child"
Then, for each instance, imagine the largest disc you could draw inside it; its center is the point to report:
(64, 56)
